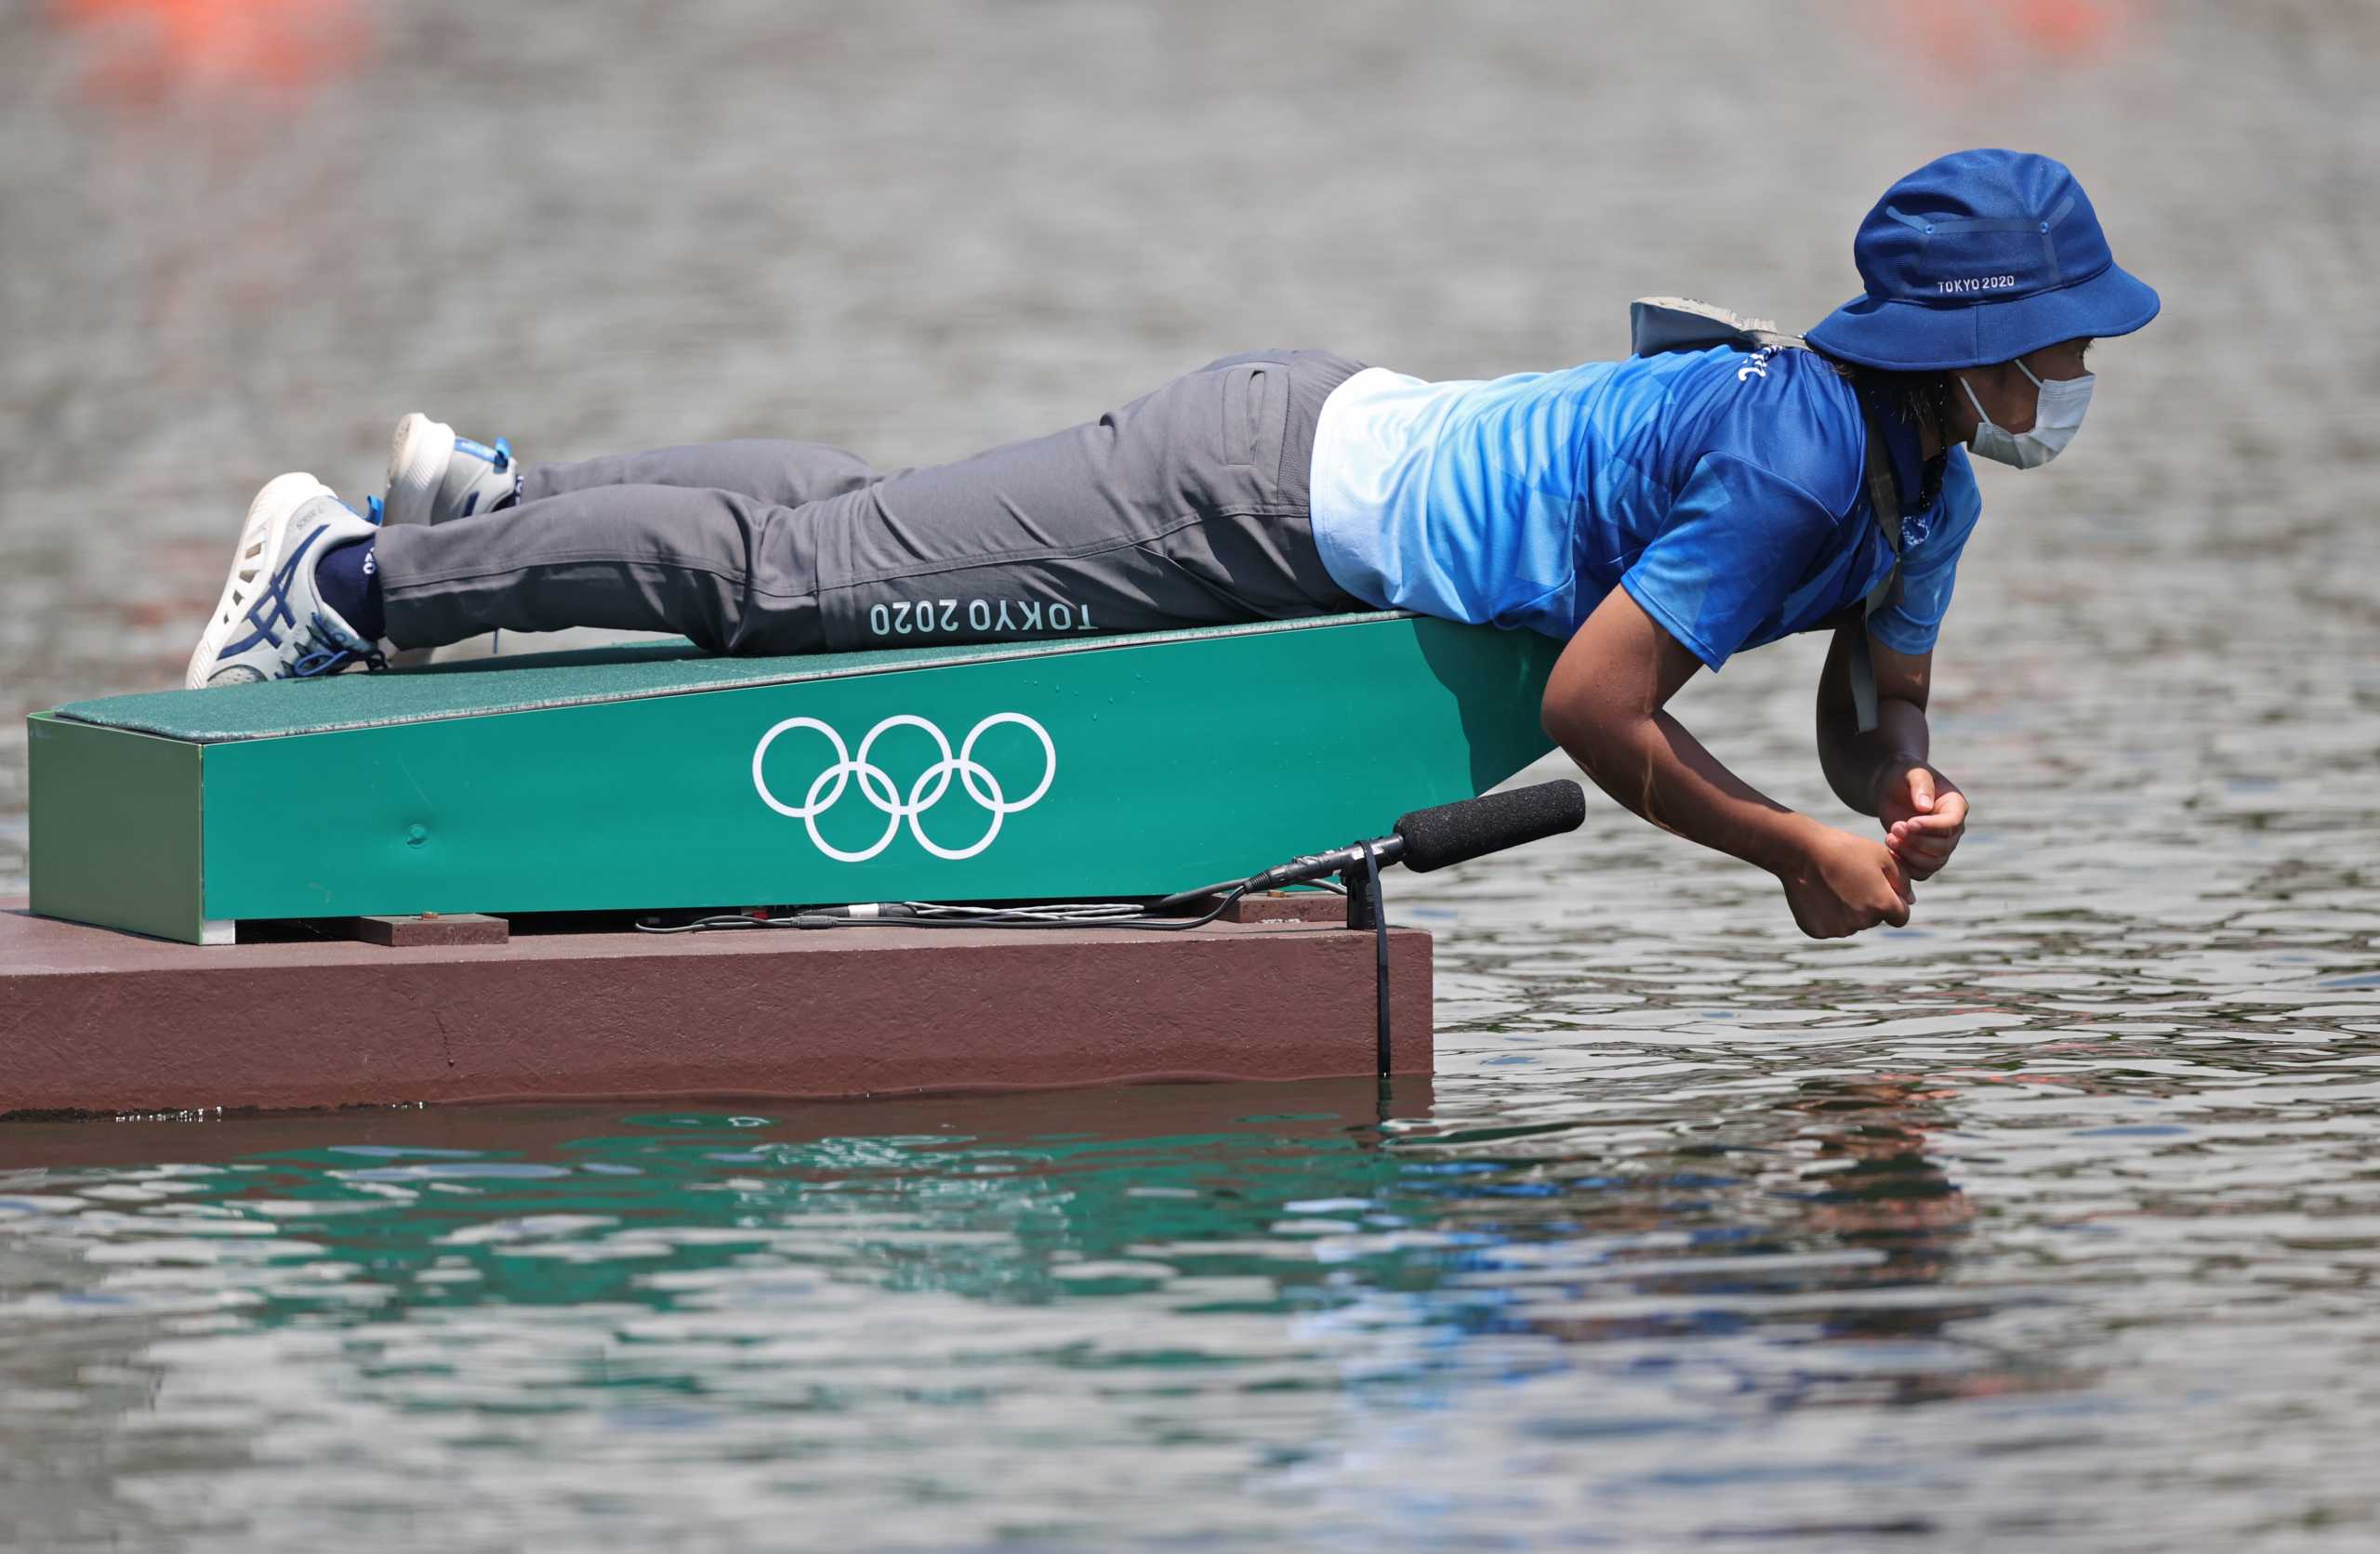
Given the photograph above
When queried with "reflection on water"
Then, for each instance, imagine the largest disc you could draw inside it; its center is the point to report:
(2065, 1296)
(1260, 1300)
(2048, 1223)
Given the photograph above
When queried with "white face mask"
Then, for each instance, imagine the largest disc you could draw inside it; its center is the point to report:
(2058, 414)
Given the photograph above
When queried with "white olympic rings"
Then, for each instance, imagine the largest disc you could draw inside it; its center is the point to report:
(876, 785)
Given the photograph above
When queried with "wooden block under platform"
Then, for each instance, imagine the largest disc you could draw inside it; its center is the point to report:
(433, 929)
(1289, 906)
(97, 1020)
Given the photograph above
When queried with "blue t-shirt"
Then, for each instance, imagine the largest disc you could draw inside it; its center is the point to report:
(1727, 491)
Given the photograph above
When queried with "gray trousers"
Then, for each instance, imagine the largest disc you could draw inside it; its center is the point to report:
(1187, 507)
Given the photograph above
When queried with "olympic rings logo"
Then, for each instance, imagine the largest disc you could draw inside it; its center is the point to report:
(877, 786)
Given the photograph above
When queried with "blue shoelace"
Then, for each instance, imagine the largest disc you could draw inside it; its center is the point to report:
(323, 652)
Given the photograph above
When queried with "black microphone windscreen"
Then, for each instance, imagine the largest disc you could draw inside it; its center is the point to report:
(1473, 827)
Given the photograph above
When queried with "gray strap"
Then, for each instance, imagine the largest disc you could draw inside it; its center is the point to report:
(1863, 657)
(1863, 681)
(1884, 496)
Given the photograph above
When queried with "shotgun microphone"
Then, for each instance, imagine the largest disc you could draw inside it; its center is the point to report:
(1446, 834)
(1475, 827)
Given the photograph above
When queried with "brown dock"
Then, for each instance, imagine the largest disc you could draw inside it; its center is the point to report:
(98, 1021)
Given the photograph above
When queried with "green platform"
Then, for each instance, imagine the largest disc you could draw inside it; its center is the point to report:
(638, 777)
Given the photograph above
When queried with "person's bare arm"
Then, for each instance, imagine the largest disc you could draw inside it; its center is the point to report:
(1604, 704)
(1885, 771)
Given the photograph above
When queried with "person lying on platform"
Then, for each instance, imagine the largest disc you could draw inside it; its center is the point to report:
(1658, 513)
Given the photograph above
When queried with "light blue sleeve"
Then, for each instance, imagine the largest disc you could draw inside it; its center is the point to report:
(1740, 537)
(1929, 567)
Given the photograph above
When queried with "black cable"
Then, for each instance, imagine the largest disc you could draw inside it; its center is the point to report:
(1184, 898)
(1015, 919)
(1379, 957)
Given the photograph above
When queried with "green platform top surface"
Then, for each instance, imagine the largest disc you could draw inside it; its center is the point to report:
(483, 687)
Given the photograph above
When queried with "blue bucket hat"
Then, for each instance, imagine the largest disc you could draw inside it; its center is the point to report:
(1979, 258)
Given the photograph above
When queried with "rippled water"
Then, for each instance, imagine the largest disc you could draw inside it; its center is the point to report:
(2049, 1222)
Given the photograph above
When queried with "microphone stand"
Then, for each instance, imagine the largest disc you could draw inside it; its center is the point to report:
(1365, 911)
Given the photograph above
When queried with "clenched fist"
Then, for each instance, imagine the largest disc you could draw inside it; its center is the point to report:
(1844, 884)
(1925, 815)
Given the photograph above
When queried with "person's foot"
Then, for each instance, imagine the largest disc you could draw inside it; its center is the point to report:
(272, 622)
(435, 476)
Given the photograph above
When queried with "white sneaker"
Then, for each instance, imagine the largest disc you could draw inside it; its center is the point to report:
(270, 623)
(435, 476)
